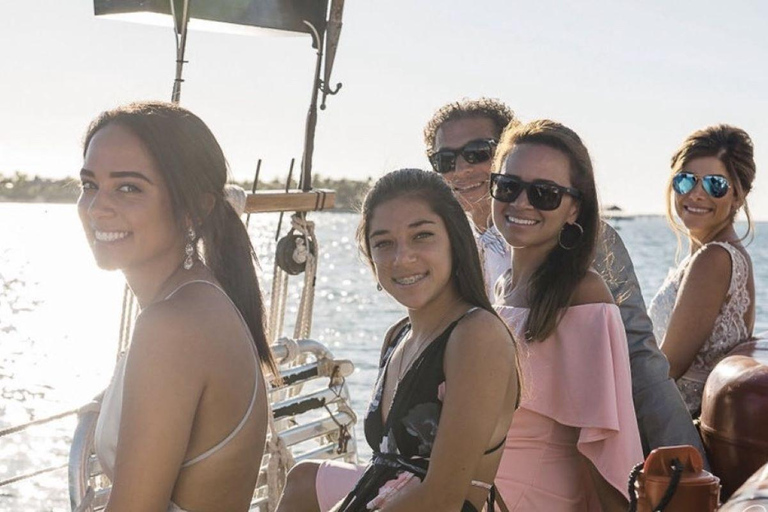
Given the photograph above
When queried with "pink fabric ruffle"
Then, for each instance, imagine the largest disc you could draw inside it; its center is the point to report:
(580, 377)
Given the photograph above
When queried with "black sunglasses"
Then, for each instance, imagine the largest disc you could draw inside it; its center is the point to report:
(714, 184)
(474, 152)
(543, 195)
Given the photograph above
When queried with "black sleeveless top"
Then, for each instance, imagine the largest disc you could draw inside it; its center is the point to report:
(404, 442)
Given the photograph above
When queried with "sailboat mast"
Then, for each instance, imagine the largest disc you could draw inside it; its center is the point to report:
(180, 24)
(305, 182)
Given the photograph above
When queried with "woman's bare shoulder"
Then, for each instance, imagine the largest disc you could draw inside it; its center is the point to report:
(710, 266)
(185, 329)
(484, 331)
(715, 255)
(592, 289)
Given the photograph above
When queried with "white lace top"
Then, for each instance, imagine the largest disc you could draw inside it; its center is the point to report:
(730, 328)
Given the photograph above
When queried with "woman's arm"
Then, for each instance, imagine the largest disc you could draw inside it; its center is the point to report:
(699, 300)
(479, 361)
(164, 381)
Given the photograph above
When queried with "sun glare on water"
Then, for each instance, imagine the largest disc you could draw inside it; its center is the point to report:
(59, 323)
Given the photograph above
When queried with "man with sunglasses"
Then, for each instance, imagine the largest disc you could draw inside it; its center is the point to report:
(460, 139)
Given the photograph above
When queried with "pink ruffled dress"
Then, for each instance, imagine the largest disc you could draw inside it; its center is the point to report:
(577, 400)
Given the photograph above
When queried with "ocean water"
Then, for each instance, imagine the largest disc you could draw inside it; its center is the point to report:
(59, 322)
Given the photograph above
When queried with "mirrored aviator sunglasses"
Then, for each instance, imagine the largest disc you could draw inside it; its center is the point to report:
(473, 152)
(714, 184)
(542, 195)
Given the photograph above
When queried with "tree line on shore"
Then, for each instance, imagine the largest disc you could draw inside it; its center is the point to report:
(22, 188)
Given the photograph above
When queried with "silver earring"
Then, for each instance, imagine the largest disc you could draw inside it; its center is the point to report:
(189, 249)
(378, 287)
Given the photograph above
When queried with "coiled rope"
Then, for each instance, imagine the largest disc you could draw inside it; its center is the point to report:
(280, 461)
(279, 294)
(306, 228)
(280, 457)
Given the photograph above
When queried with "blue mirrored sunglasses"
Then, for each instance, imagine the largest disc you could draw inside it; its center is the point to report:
(714, 184)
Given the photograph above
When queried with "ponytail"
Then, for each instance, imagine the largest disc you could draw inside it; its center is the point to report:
(194, 169)
(229, 254)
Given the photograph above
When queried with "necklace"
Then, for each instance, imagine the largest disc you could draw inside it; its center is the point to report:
(404, 345)
(401, 347)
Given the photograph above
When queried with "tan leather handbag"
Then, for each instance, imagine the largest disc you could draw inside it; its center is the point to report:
(673, 479)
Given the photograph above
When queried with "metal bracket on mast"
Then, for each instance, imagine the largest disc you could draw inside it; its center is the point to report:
(328, 36)
(305, 182)
(180, 25)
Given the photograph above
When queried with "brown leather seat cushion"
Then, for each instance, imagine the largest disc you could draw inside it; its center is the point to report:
(734, 417)
(757, 348)
(754, 492)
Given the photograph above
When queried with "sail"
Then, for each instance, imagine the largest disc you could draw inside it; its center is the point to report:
(286, 16)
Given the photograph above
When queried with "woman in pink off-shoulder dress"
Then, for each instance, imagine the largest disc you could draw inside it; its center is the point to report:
(574, 439)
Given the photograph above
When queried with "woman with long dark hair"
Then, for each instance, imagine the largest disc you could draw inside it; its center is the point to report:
(447, 385)
(183, 422)
(707, 304)
(575, 439)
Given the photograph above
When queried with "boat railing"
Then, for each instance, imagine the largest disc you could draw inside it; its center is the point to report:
(311, 413)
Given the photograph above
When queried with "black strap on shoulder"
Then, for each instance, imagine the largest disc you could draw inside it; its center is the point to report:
(397, 332)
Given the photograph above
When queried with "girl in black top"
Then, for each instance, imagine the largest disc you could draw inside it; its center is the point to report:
(448, 383)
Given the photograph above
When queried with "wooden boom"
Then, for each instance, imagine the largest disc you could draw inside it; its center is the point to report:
(263, 201)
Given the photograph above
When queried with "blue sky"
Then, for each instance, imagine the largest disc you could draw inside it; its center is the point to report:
(632, 78)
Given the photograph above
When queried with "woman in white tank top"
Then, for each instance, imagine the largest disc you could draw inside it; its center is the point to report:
(183, 422)
(707, 305)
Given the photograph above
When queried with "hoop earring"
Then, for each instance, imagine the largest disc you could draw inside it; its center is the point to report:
(189, 249)
(378, 287)
(577, 238)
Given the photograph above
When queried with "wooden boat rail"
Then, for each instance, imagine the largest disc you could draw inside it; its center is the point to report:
(310, 409)
(264, 201)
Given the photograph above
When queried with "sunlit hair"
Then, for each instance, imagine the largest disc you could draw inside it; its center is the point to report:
(554, 282)
(194, 169)
(734, 148)
(488, 108)
(432, 189)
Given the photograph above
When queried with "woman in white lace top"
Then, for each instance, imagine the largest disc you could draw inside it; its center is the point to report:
(706, 306)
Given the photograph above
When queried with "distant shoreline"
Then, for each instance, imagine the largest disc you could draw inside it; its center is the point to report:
(22, 188)
(336, 209)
